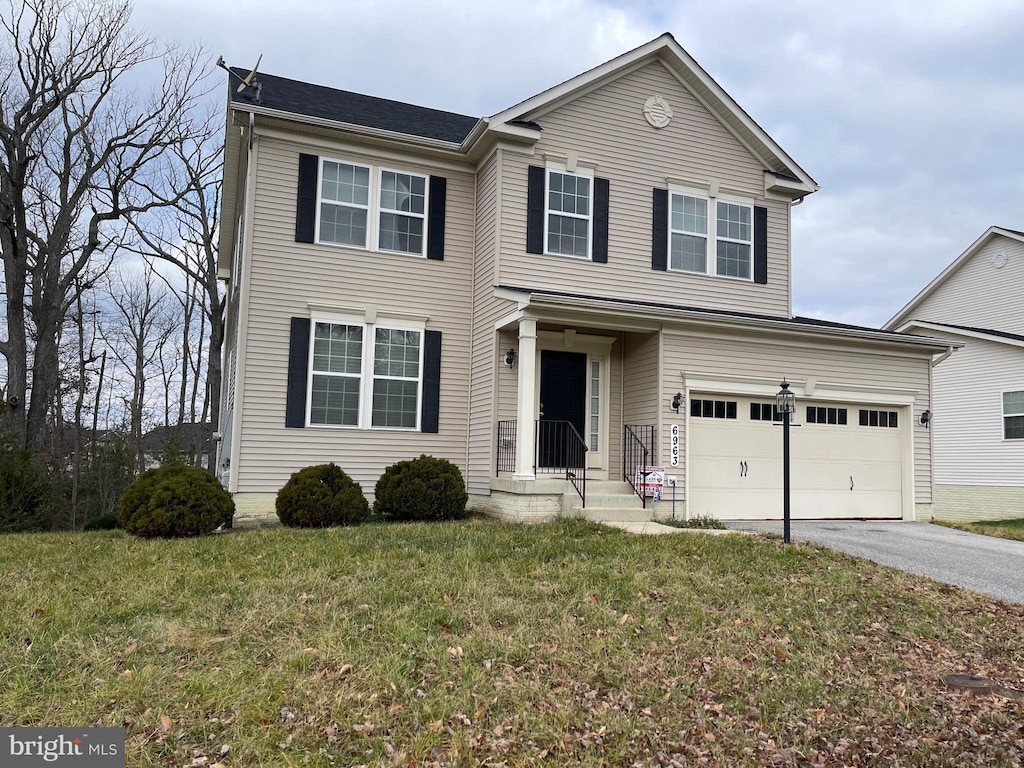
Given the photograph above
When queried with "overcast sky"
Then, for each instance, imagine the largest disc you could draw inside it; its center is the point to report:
(908, 113)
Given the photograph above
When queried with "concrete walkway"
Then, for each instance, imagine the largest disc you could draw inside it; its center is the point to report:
(652, 528)
(982, 563)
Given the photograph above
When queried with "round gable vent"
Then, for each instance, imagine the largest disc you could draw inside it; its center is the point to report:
(999, 260)
(657, 111)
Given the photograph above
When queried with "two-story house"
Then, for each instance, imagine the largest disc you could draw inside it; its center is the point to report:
(595, 279)
(977, 422)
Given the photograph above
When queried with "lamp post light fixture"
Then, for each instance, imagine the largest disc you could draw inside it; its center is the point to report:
(785, 405)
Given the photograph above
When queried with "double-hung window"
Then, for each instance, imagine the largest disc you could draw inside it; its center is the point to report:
(568, 220)
(365, 373)
(695, 222)
(344, 203)
(360, 204)
(1013, 415)
(688, 226)
(733, 239)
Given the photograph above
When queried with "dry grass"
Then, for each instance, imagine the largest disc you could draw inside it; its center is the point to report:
(1002, 529)
(478, 643)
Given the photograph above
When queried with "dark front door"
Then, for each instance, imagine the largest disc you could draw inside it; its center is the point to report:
(563, 398)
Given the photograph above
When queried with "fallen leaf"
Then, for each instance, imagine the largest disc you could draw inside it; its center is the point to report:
(165, 724)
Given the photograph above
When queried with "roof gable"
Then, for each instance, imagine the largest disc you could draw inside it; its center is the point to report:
(703, 87)
(935, 287)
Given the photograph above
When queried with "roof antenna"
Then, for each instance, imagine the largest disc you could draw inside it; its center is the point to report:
(247, 81)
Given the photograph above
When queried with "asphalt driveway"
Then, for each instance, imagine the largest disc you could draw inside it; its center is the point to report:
(982, 563)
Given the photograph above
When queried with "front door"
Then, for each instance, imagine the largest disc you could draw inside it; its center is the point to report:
(563, 398)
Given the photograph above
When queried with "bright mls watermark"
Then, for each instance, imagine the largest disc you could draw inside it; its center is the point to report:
(78, 747)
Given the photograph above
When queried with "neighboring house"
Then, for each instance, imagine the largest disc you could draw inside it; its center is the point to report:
(977, 424)
(178, 442)
(505, 291)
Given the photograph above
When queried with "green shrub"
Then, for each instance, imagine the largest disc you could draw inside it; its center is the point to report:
(25, 492)
(321, 496)
(174, 500)
(101, 523)
(426, 488)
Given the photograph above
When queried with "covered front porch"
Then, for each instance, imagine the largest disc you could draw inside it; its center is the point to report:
(576, 408)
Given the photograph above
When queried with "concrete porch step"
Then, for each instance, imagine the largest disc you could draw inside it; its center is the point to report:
(615, 514)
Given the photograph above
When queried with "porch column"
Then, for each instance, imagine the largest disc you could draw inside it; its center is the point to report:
(526, 409)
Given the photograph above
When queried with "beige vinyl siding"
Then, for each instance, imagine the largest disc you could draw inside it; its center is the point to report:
(769, 359)
(286, 277)
(508, 378)
(979, 295)
(486, 310)
(607, 127)
(968, 424)
(640, 375)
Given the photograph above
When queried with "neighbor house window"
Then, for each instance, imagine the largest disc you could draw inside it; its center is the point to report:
(403, 205)
(688, 232)
(342, 395)
(733, 239)
(344, 203)
(568, 214)
(1013, 415)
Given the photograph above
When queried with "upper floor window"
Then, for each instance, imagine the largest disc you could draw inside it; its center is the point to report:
(568, 214)
(733, 239)
(691, 229)
(356, 201)
(1013, 415)
(689, 234)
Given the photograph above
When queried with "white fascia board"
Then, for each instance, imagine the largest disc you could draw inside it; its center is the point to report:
(773, 183)
(941, 328)
(901, 316)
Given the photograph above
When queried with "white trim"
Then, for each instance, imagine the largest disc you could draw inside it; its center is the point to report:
(561, 170)
(1005, 415)
(942, 328)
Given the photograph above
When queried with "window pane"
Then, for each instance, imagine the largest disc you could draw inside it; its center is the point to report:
(689, 253)
(339, 224)
(345, 183)
(734, 221)
(733, 259)
(1013, 427)
(595, 404)
(337, 348)
(689, 214)
(402, 192)
(396, 353)
(401, 233)
(394, 403)
(1013, 403)
(569, 194)
(334, 400)
(567, 235)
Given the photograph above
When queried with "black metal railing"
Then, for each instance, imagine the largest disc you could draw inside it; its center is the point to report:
(560, 449)
(638, 453)
(506, 454)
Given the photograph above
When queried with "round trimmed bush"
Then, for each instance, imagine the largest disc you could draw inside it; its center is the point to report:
(426, 488)
(174, 500)
(321, 496)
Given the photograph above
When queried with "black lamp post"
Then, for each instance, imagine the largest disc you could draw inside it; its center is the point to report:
(785, 405)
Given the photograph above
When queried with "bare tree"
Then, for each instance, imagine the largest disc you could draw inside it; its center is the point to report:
(80, 152)
(137, 334)
(185, 235)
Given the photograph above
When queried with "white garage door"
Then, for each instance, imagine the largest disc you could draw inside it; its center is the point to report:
(846, 461)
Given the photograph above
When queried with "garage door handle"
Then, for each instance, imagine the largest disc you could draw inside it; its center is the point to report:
(851, 482)
(743, 469)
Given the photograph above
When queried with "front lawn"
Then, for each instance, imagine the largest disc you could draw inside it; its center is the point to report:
(1003, 529)
(485, 644)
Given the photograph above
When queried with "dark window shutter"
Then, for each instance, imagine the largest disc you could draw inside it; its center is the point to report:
(431, 381)
(535, 210)
(760, 244)
(305, 207)
(298, 368)
(601, 221)
(659, 231)
(435, 218)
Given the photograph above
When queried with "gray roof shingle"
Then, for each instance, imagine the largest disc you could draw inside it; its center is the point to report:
(300, 98)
